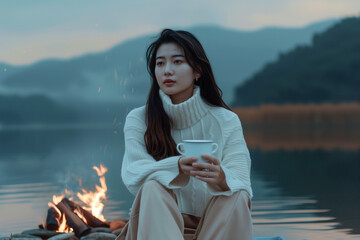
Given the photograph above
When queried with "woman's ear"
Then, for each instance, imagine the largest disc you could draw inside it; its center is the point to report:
(197, 75)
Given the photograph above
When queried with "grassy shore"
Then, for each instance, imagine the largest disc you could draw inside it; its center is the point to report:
(302, 126)
(321, 115)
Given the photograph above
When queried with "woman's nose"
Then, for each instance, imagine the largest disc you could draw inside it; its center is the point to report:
(168, 69)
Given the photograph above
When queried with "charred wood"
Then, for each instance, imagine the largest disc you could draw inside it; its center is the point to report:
(91, 219)
(73, 220)
(52, 220)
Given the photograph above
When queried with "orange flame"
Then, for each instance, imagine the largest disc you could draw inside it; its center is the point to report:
(63, 226)
(57, 199)
(80, 216)
(93, 200)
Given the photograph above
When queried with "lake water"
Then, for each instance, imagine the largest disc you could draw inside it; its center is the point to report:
(299, 193)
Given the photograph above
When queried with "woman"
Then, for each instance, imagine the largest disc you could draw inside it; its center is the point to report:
(176, 196)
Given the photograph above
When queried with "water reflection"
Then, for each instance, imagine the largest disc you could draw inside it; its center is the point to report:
(294, 217)
(22, 205)
(331, 177)
(35, 164)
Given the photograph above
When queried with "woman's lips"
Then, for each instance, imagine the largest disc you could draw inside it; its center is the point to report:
(169, 83)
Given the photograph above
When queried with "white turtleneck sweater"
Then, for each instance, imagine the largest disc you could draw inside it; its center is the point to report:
(192, 119)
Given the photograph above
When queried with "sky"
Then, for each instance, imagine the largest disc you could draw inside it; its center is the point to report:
(39, 29)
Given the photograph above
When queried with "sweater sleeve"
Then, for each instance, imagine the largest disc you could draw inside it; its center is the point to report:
(138, 166)
(235, 162)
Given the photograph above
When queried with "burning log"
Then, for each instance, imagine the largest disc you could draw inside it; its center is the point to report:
(65, 215)
(52, 219)
(90, 219)
(73, 220)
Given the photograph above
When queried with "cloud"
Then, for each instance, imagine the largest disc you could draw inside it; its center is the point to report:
(66, 28)
(25, 48)
(289, 12)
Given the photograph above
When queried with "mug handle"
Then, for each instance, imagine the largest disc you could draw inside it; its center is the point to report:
(178, 148)
(215, 147)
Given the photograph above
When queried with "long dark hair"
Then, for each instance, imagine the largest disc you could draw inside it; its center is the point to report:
(158, 139)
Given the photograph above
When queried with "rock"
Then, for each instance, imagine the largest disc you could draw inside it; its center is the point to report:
(101, 229)
(24, 237)
(63, 236)
(117, 231)
(99, 236)
(4, 238)
(41, 233)
(116, 224)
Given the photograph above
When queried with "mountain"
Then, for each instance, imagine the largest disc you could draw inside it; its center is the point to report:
(33, 109)
(327, 70)
(119, 74)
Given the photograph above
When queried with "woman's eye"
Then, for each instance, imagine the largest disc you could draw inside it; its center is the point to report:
(178, 61)
(159, 63)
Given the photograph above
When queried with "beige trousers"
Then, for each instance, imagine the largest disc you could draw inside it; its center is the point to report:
(156, 215)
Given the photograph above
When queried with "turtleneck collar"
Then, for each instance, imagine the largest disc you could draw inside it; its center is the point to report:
(187, 113)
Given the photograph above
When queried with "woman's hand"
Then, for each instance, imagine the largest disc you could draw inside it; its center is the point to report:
(210, 172)
(185, 165)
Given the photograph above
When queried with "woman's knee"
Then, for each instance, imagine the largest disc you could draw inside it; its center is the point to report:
(153, 188)
(151, 185)
(244, 198)
(239, 200)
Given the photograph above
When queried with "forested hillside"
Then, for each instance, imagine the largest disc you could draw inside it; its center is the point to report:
(326, 71)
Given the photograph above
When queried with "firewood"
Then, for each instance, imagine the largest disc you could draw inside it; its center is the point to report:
(52, 220)
(73, 220)
(91, 219)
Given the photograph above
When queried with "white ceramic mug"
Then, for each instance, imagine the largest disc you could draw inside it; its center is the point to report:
(194, 148)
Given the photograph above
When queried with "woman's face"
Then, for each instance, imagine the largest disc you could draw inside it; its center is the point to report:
(173, 73)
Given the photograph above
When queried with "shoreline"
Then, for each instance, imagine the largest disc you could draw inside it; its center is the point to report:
(326, 115)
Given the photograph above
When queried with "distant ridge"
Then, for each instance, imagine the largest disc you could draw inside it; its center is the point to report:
(33, 109)
(119, 74)
(326, 71)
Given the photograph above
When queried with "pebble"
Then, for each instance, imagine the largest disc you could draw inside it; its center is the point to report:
(101, 229)
(99, 236)
(63, 236)
(117, 231)
(24, 237)
(41, 233)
